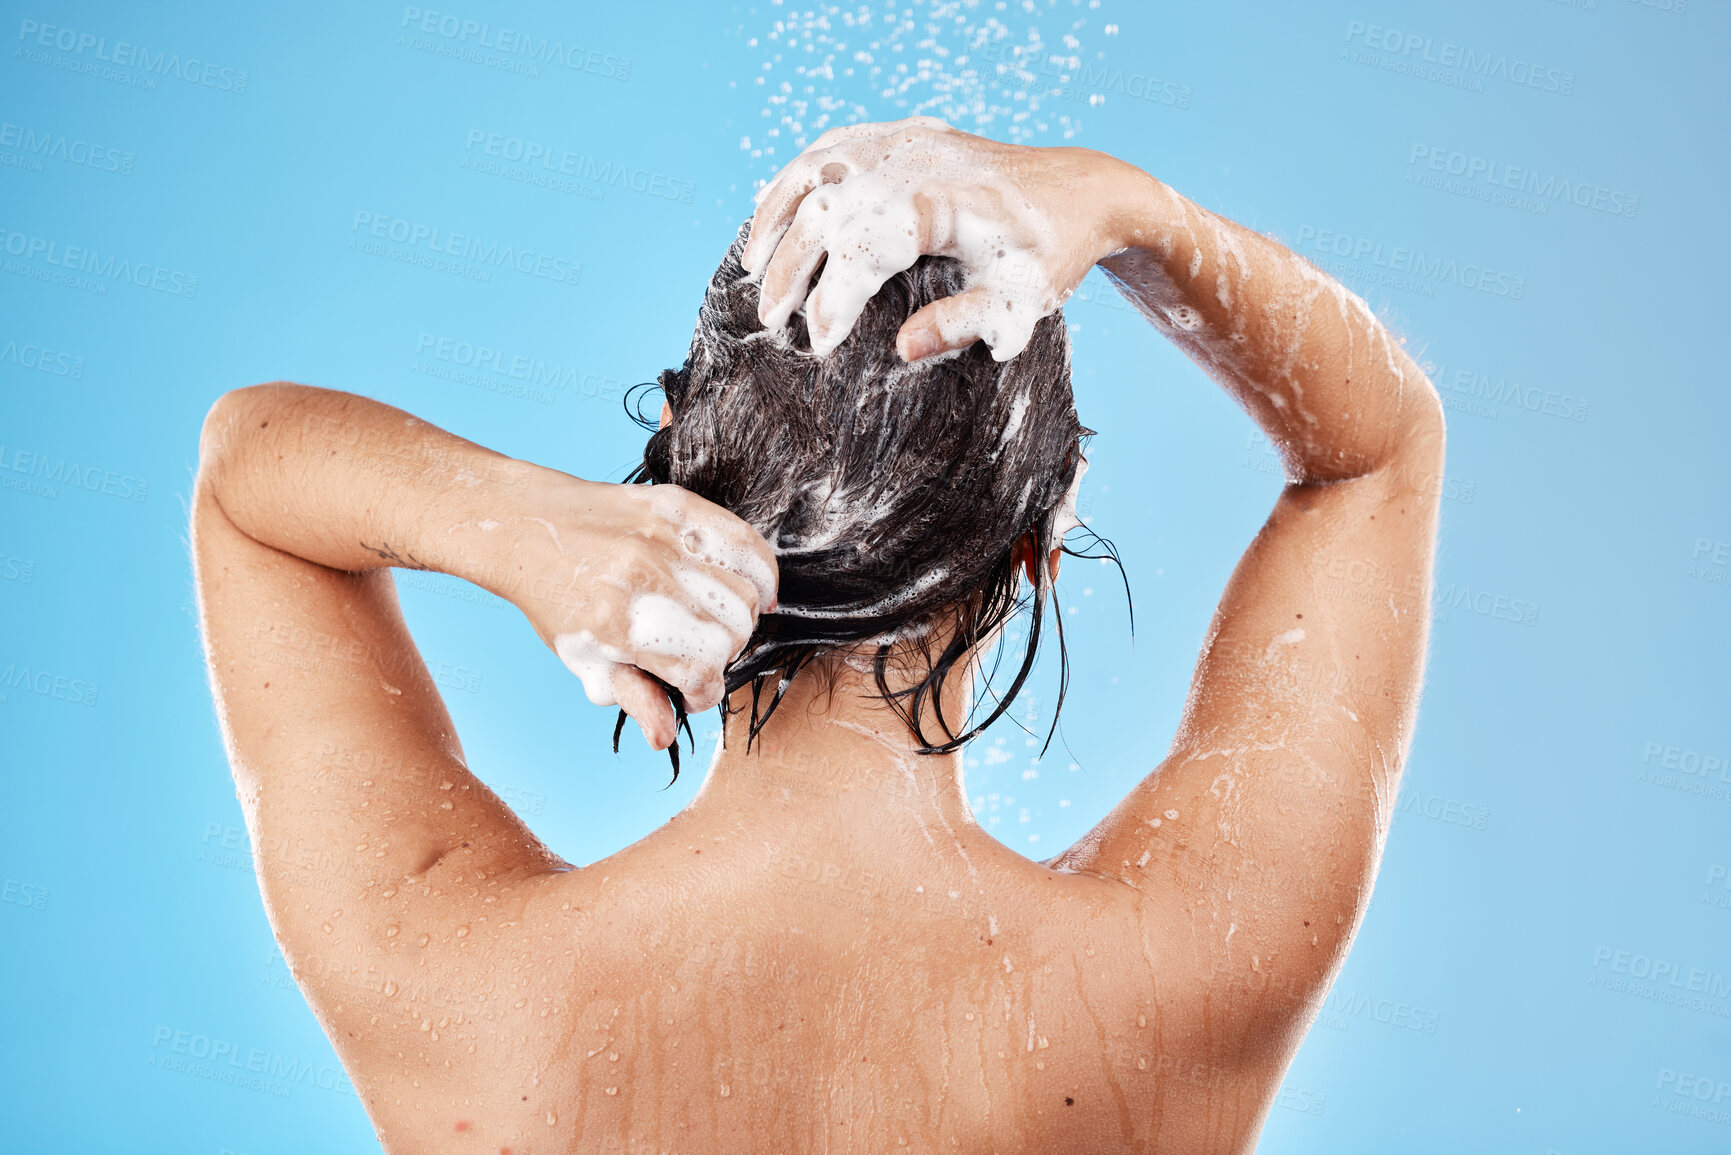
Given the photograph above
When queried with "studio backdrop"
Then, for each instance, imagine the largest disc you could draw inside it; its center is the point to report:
(500, 217)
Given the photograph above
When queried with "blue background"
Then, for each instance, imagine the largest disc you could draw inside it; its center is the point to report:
(1562, 830)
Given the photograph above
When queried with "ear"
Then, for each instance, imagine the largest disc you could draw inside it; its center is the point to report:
(1025, 557)
(666, 415)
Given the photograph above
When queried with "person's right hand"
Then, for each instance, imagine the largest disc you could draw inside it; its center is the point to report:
(626, 580)
(868, 200)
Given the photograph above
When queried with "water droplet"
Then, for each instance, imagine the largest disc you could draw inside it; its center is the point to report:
(1141, 1020)
(392, 931)
(726, 1090)
(390, 988)
(613, 1090)
(552, 1119)
(462, 932)
(612, 1056)
(327, 928)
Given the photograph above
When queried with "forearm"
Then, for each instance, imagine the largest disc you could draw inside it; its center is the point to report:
(1305, 357)
(351, 483)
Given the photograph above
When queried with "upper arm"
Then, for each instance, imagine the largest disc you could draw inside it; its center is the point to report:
(347, 765)
(1260, 831)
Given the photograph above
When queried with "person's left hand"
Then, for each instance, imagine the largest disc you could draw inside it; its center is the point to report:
(868, 200)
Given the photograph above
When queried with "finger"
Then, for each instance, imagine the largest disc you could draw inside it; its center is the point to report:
(716, 536)
(831, 158)
(955, 323)
(782, 198)
(933, 122)
(725, 596)
(846, 132)
(594, 664)
(682, 646)
(647, 704)
(867, 250)
(787, 277)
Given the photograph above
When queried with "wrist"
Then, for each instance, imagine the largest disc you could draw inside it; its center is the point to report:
(1129, 201)
(479, 519)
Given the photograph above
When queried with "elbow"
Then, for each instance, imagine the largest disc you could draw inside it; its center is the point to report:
(1423, 433)
(229, 417)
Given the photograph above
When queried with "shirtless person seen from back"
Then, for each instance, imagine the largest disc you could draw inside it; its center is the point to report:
(824, 951)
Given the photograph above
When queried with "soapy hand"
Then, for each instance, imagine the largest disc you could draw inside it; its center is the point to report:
(868, 200)
(622, 581)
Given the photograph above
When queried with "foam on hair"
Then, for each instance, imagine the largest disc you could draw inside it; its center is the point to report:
(894, 495)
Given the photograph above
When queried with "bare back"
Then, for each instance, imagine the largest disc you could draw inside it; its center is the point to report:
(695, 988)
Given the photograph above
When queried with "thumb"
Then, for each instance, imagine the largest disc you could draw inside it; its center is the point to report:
(647, 704)
(977, 314)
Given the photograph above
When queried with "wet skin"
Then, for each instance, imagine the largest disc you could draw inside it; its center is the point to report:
(824, 951)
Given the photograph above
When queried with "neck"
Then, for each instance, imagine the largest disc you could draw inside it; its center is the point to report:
(834, 748)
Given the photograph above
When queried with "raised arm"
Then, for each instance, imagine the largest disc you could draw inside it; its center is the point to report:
(1260, 832)
(364, 817)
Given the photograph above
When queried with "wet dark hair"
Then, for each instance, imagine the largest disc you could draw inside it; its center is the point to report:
(896, 496)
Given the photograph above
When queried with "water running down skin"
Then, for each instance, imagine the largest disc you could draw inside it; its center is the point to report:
(824, 951)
